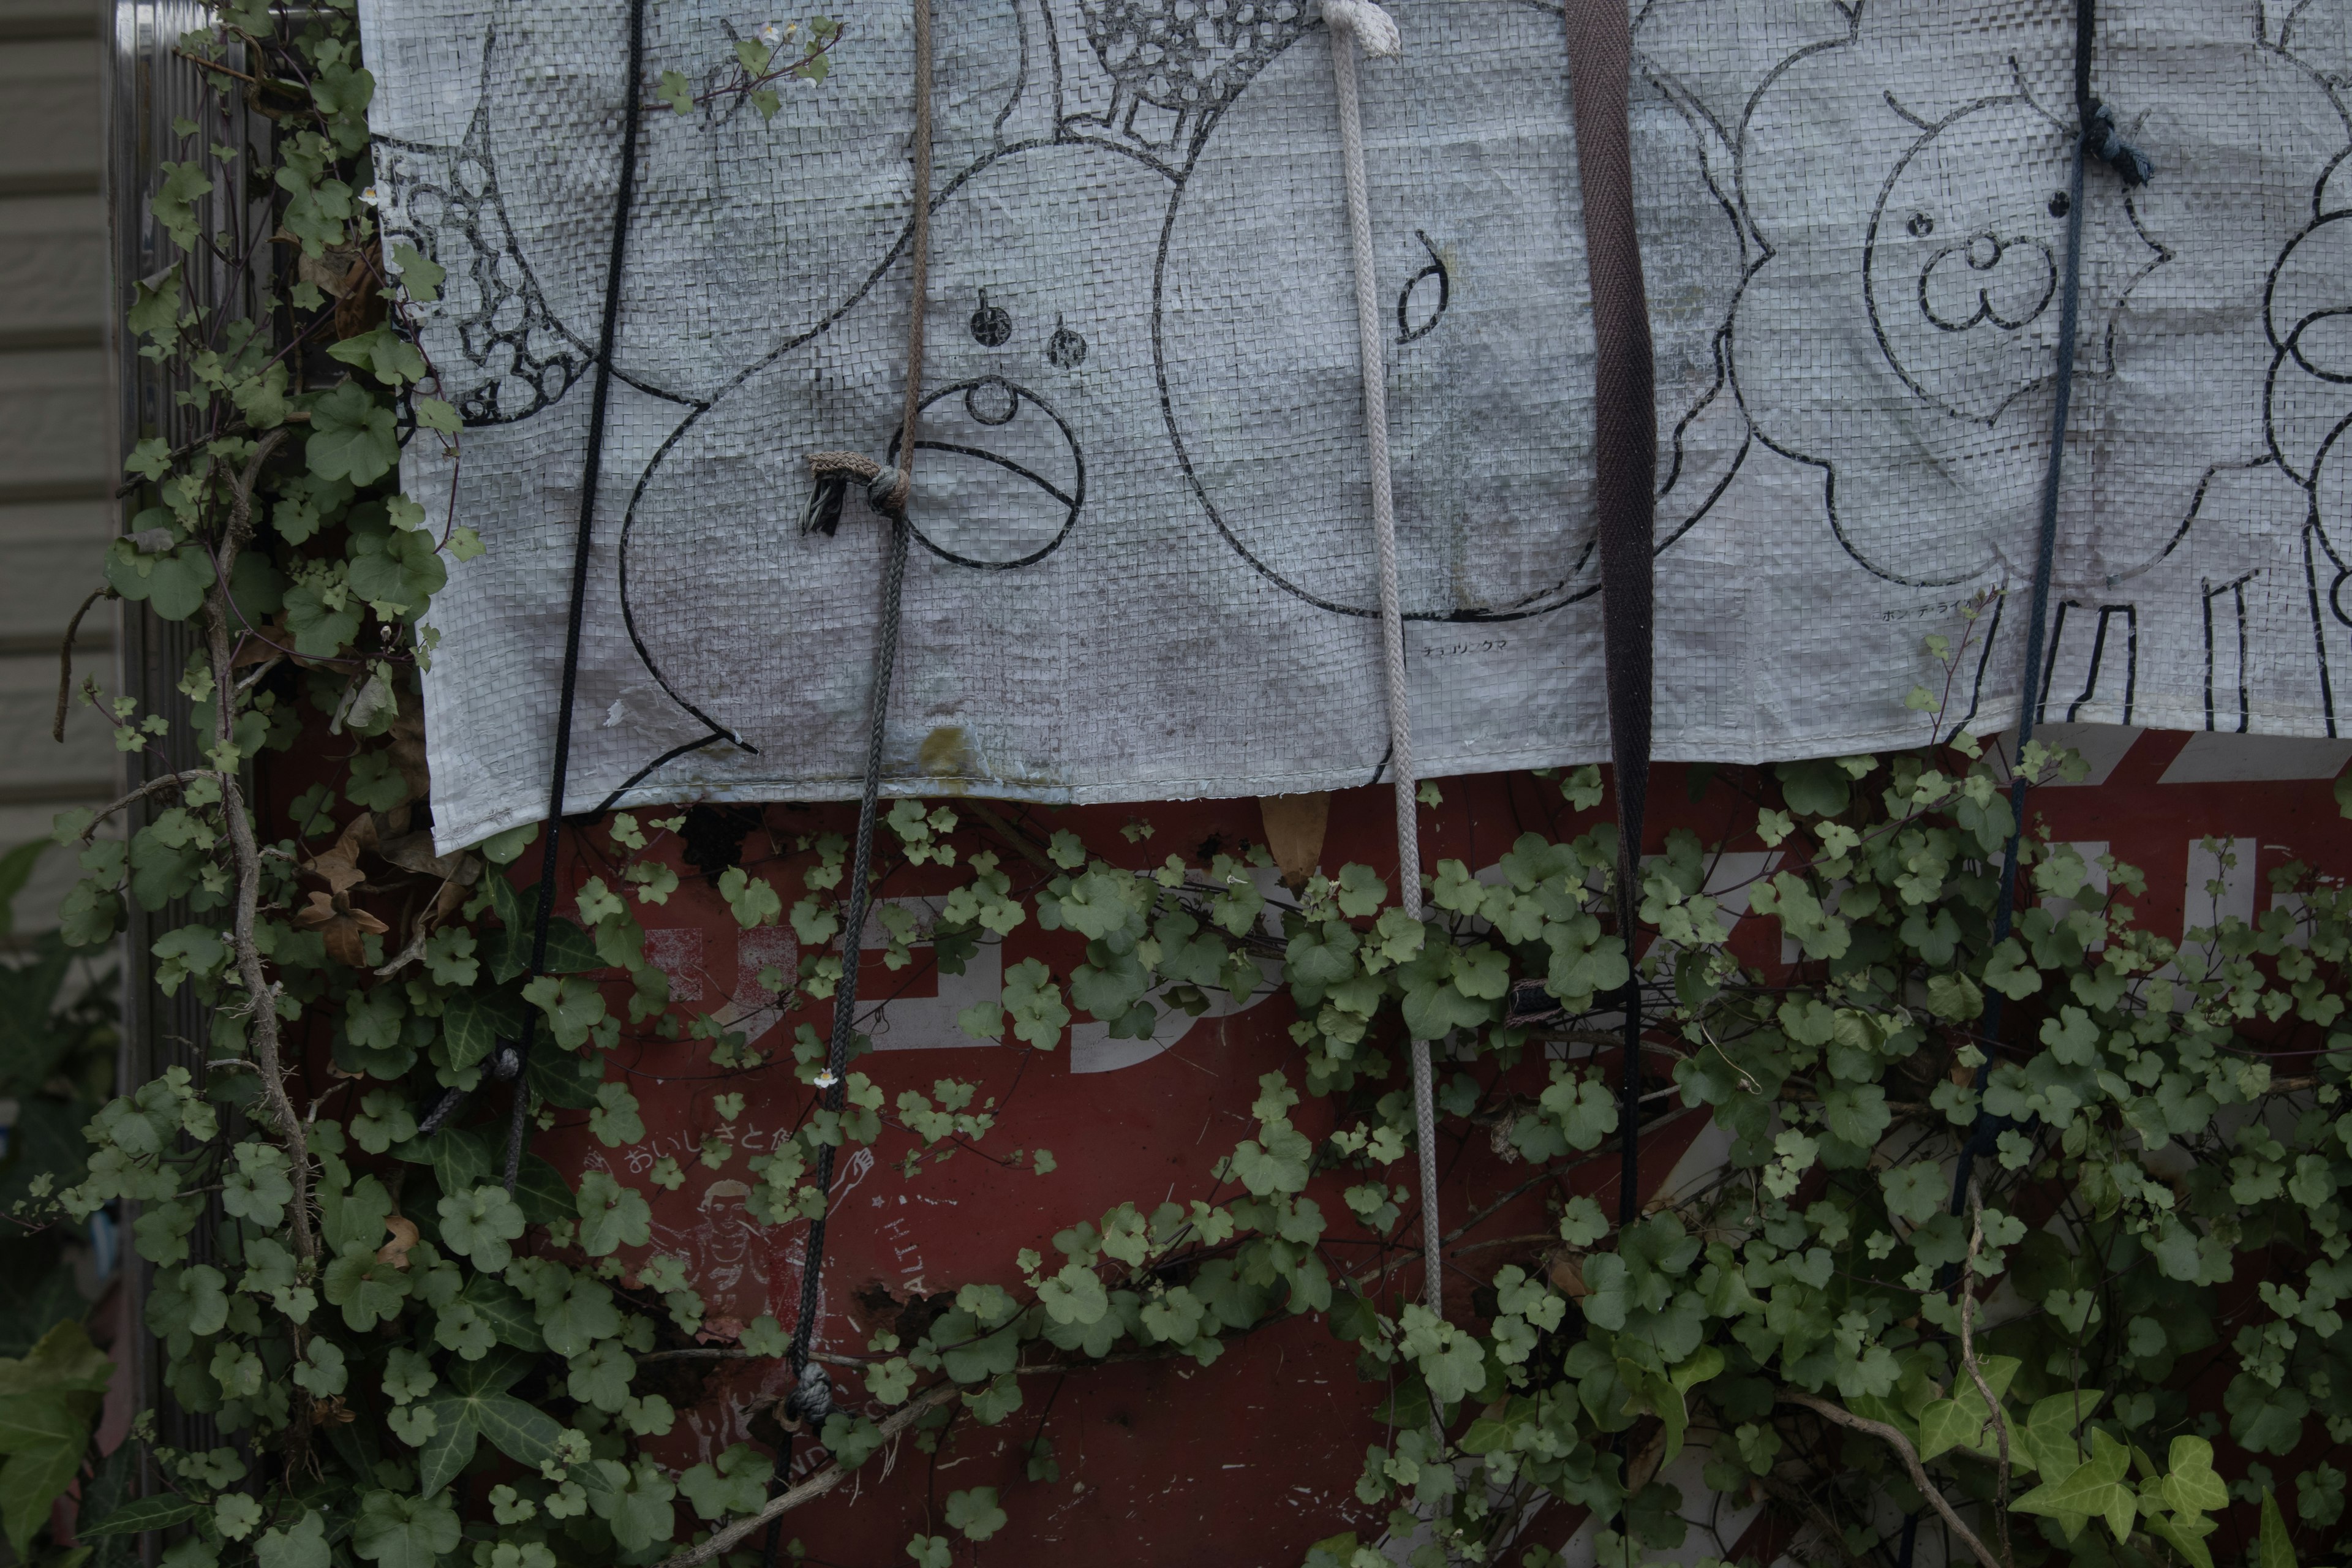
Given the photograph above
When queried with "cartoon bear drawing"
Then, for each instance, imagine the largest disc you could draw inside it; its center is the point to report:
(1900, 337)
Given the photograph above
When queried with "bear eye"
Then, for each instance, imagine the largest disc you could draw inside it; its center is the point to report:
(1921, 226)
(1065, 350)
(1415, 299)
(2060, 203)
(992, 325)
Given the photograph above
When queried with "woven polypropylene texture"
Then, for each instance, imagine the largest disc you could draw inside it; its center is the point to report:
(1142, 566)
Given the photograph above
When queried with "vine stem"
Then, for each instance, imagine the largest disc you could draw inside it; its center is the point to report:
(825, 1480)
(65, 660)
(1903, 1449)
(160, 784)
(816, 1486)
(1997, 1419)
(248, 853)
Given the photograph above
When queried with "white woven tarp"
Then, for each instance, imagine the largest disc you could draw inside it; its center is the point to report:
(1144, 557)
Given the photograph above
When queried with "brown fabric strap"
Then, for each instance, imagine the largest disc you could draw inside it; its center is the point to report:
(1625, 461)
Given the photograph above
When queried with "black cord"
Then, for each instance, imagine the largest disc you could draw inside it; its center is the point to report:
(2092, 125)
(2095, 134)
(782, 1481)
(845, 998)
(1629, 1094)
(590, 474)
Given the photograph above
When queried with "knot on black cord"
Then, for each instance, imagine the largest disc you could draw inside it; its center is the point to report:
(811, 1400)
(2132, 166)
(505, 1067)
(885, 489)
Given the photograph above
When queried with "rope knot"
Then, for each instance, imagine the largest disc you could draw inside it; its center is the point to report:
(2132, 166)
(811, 1400)
(885, 489)
(1375, 30)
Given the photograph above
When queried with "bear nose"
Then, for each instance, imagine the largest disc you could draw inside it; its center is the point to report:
(1986, 278)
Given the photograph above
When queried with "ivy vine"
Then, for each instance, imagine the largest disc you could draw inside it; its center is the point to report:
(2087, 1357)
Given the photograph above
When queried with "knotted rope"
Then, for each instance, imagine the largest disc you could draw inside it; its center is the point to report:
(1353, 24)
(885, 489)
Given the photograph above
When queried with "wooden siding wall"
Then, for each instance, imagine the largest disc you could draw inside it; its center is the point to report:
(57, 465)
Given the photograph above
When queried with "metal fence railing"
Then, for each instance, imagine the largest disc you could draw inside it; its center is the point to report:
(154, 95)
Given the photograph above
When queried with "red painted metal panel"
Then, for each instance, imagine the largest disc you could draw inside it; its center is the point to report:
(1248, 1460)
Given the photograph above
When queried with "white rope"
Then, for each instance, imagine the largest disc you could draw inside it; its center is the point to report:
(1354, 23)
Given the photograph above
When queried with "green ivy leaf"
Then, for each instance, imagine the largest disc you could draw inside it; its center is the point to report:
(2190, 1484)
(2274, 1548)
(1815, 787)
(352, 437)
(611, 1215)
(383, 353)
(397, 1531)
(171, 581)
(43, 1432)
(1587, 1112)
(1073, 1296)
(479, 1224)
(141, 1515)
(396, 570)
(2011, 973)
(420, 277)
(1034, 1005)
(2092, 1489)
(571, 1007)
(736, 1484)
(369, 1290)
(1276, 1165)
(303, 1544)
(637, 1504)
(975, 1513)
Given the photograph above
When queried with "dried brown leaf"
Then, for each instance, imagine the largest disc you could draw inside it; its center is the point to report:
(403, 1236)
(1294, 826)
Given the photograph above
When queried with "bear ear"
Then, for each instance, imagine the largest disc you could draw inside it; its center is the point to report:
(1049, 66)
(1903, 109)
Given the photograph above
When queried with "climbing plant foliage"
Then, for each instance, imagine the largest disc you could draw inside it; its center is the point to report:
(2122, 1341)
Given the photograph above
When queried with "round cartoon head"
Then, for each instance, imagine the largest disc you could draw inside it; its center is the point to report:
(1962, 273)
(2309, 318)
(1480, 277)
(743, 237)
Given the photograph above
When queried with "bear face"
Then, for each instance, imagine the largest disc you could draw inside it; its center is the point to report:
(1961, 290)
(1481, 278)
